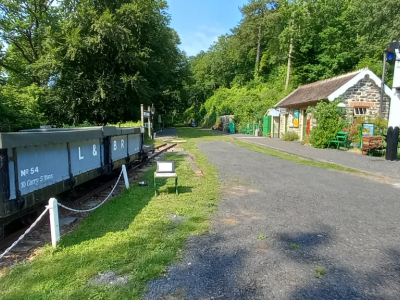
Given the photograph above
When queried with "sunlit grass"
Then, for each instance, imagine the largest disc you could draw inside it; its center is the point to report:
(131, 235)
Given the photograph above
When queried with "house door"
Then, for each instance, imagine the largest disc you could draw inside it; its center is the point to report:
(267, 126)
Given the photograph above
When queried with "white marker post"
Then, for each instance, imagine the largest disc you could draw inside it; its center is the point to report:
(125, 176)
(54, 222)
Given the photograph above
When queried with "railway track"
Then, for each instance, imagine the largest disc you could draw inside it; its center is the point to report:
(75, 199)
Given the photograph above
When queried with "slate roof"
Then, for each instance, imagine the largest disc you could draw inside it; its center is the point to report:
(316, 91)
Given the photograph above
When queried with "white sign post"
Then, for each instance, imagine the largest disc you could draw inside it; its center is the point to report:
(394, 115)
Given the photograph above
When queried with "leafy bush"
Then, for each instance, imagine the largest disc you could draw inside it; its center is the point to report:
(290, 136)
(84, 124)
(127, 124)
(329, 123)
(248, 103)
(19, 108)
(354, 129)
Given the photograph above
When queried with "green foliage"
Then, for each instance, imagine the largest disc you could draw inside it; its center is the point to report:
(97, 61)
(328, 123)
(127, 124)
(294, 246)
(354, 129)
(84, 124)
(261, 236)
(319, 271)
(247, 103)
(116, 55)
(290, 136)
(19, 108)
(330, 37)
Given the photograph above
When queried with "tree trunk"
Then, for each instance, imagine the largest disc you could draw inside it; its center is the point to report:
(259, 48)
(289, 64)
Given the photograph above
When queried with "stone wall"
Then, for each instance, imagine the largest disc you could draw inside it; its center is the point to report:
(289, 126)
(364, 93)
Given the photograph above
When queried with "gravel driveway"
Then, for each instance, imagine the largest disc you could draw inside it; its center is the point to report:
(277, 222)
(370, 164)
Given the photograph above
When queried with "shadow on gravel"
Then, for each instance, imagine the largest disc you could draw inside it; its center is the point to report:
(206, 274)
(339, 282)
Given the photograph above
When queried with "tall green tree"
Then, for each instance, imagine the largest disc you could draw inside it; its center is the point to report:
(25, 25)
(114, 56)
(255, 14)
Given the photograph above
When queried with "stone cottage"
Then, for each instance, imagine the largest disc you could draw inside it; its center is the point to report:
(360, 92)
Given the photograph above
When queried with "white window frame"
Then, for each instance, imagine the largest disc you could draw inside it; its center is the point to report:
(360, 111)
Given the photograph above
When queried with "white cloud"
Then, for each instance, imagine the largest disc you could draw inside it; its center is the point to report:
(201, 39)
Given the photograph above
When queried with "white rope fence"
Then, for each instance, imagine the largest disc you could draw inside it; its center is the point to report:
(97, 206)
(52, 208)
(25, 233)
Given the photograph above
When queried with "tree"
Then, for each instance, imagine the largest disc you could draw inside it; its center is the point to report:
(24, 27)
(254, 15)
(114, 55)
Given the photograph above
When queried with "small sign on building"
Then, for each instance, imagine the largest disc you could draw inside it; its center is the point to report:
(296, 116)
(368, 129)
(283, 111)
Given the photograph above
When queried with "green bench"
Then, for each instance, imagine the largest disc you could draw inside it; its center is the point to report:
(341, 139)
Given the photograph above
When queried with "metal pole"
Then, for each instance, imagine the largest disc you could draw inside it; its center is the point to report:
(152, 132)
(149, 110)
(141, 114)
(383, 83)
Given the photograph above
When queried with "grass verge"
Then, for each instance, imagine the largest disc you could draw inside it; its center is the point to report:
(131, 235)
(296, 159)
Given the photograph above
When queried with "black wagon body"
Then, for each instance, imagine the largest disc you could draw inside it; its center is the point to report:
(38, 164)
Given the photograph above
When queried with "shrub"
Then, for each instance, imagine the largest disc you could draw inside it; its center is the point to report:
(329, 123)
(290, 136)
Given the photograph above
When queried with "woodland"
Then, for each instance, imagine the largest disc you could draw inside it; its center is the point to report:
(71, 62)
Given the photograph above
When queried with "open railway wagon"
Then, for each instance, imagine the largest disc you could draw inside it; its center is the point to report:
(38, 164)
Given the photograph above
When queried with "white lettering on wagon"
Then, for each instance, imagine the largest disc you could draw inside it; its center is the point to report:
(35, 181)
(80, 156)
(116, 145)
(30, 171)
(94, 152)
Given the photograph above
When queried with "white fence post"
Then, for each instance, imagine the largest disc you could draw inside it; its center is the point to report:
(54, 223)
(125, 176)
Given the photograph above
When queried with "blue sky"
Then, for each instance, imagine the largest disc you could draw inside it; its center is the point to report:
(200, 22)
